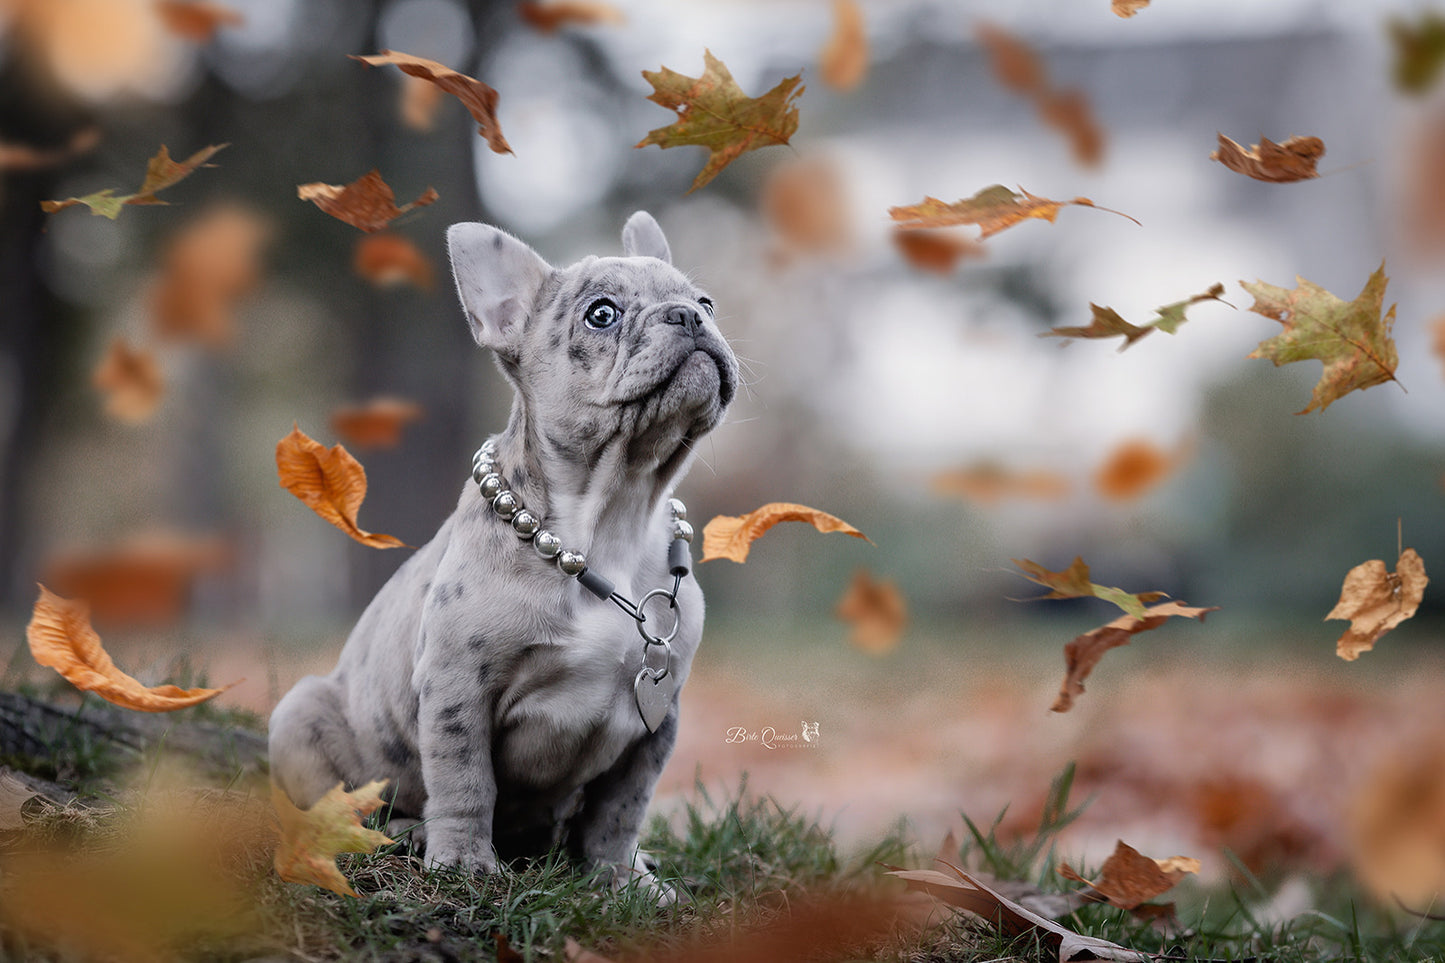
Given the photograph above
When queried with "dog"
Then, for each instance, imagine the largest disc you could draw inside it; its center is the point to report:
(494, 687)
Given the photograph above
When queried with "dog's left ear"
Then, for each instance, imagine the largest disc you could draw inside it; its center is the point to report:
(642, 237)
(498, 278)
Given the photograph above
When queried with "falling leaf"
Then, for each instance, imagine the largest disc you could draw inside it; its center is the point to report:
(1294, 160)
(969, 893)
(312, 838)
(552, 14)
(21, 157)
(713, 112)
(876, 611)
(388, 260)
(420, 101)
(988, 483)
(143, 580)
(935, 250)
(1107, 322)
(1350, 338)
(1135, 467)
(844, 61)
(1127, 8)
(1014, 62)
(1397, 826)
(366, 203)
(196, 20)
(60, 637)
(730, 537)
(1069, 112)
(1419, 51)
(1073, 583)
(1018, 67)
(131, 382)
(479, 99)
(1375, 600)
(1085, 651)
(1421, 199)
(804, 201)
(1129, 878)
(376, 424)
(330, 482)
(993, 209)
(207, 267)
(1437, 327)
(161, 172)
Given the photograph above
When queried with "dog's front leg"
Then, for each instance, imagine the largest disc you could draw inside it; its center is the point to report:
(455, 739)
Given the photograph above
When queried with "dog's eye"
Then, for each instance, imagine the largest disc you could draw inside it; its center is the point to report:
(601, 314)
(706, 303)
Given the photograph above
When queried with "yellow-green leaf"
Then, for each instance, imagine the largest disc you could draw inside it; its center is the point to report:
(312, 838)
(1107, 322)
(1073, 583)
(161, 172)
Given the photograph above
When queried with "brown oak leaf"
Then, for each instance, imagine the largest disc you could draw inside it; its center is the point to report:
(1293, 160)
(1375, 600)
(730, 536)
(479, 99)
(935, 250)
(1129, 878)
(1085, 651)
(366, 203)
(993, 209)
(161, 172)
(330, 482)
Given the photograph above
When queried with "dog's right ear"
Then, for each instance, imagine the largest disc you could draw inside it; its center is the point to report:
(497, 278)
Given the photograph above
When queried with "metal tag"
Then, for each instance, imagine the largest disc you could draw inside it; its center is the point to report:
(654, 694)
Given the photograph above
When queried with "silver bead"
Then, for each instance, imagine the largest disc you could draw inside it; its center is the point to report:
(682, 530)
(491, 485)
(571, 563)
(489, 447)
(678, 509)
(483, 468)
(506, 504)
(525, 523)
(546, 544)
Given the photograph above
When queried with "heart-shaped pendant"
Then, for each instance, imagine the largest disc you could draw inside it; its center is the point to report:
(654, 694)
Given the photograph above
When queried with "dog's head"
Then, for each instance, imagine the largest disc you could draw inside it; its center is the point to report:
(609, 350)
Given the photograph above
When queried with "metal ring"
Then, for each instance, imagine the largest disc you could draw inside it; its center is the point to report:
(672, 600)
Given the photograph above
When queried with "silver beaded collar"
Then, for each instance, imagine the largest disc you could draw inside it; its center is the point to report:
(654, 687)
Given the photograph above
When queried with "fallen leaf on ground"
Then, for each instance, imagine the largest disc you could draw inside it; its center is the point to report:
(1129, 878)
(713, 112)
(161, 172)
(993, 209)
(1376, 600)
(1419, 51)
(935, 250)
(1294, 160)
(312, 838)
(196, 20)
(14, 794)
(330, 482)
(730, 537)
(549, 16)
(376, 424)
(1107, 322)
(143, 580)
(1085, 651)
(479, 99)
(366, 203)
(23, 157)
(505, 953)
(206, 269)
(1136, 466)
(988, 483)
(877, 612)
(844, 61)
(1073, 583)
(1396, 826)
(388, 260)
(804, 201)
(1127, 8)
(1349, 337)
(130, 381)
(60, 637)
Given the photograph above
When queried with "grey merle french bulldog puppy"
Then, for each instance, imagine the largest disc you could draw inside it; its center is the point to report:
(487, 685)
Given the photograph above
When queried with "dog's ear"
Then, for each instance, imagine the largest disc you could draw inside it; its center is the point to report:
(497, 278)
(642, 237)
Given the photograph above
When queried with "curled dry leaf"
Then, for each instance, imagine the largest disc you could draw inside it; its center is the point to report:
(388, 260)
(1419, 51)
(1127, 8)
(550, 15)
(206, 269)
(130, 381)
(366, 203)
(143, 580)
(312, 838)
(1375, 600)
(804, 201)
(479, 99)
(844, 61)
(730, 537)
(1073, 583)
(1135, 467)
(1107, 322)
(876, 610)
(989, 483)
(196, 20)
(935, 250)
(376, 424)
(993, 209)
(713, 112)
(1294, 160)
(61, 637)
(330, 482)
(1085, 651)
(161, 172)
(1351, 338)
(1129, 878)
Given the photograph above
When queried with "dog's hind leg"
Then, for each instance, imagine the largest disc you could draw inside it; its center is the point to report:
(311, 747)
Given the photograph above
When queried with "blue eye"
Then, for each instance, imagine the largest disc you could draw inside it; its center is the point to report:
(601, 314)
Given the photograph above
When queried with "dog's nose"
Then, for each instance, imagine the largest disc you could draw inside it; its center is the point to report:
(685, 316)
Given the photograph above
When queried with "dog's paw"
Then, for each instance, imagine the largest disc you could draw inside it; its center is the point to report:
(641, 873)
(411, 833)
(464, 851)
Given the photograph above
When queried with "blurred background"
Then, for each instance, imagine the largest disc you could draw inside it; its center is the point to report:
(917, 401)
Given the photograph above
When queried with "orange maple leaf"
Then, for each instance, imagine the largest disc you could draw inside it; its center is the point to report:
(479, 99)
(367, 203)
(730, 536)
(330, 482)
(312, 838)
(1136, 466)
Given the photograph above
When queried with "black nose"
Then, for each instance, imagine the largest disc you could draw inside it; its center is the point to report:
(686, 316)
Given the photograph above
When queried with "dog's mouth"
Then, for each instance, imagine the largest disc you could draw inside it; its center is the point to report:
(695, 372)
